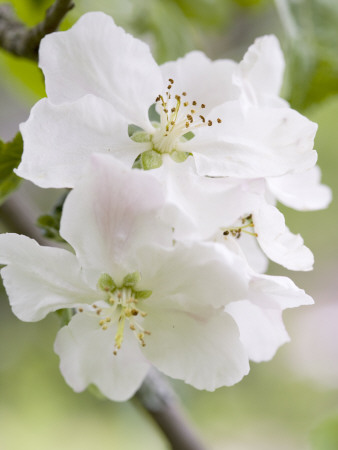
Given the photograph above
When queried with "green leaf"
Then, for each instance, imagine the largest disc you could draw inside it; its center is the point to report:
(311, 53)
(50, 223)
(10, 157)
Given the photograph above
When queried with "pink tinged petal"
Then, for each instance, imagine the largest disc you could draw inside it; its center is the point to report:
(262, 330)
(259, 142)
(38, 279)
(198, 345)
(86, 357)
(110, 213)
(205, 81)
(97, 57)
(260, 73)
(193, 273)
(301, 191)
(278, 243)
(58, 140)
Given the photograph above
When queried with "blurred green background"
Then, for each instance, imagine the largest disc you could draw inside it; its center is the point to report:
(289, 403)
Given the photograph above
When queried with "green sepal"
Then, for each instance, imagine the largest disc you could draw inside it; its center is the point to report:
(138, 163)
(10, 157)
(140, 136)
(179, 156)
(131, 279)
(65, 315)
(106, 283)
(142, 295)
(151, 160)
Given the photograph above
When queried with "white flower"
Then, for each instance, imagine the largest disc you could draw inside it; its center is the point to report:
(100, 80)
(139, 300)
(203, 207)
(301, 190)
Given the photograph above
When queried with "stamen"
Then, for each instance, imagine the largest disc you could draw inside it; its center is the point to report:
(237, 231)
(209, 123)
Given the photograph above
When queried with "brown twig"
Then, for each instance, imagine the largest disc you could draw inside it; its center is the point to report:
(160, 401)
(19, 40)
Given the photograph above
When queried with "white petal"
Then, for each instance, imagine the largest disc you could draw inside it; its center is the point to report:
(260, 318)
(200, 346)
(254, 255)
(210, 203)
(86, 357)
(301, 191)
(38, 279)
(111, 212)
(259, 142)
(205, 81)
(194, 273)
(273, 291)
(58, 140)
(97, 57)
(278, 243)
(262, 331)
(260, 73)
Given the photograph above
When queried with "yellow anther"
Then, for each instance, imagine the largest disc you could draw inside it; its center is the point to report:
(132, 327)
(209, 123)
(171, 81)
(134, 312)
(104, 327)
(194, 103)
(219, 120)
(108, 319)
(144, 314)
(101, 322)
(111, 300)
(185, 103)
(80, 309)
(184, 93)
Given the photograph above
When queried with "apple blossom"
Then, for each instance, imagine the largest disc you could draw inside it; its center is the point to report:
(100, 81)
(139, 300)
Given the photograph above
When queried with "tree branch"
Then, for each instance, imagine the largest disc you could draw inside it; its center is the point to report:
(155, 395)
(160, 401)
(19, 40)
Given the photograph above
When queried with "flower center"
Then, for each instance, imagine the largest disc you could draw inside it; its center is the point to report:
(178, 116)
(122, 307)
(246, 227)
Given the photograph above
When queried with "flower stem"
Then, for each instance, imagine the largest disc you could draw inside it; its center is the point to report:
(160, 401)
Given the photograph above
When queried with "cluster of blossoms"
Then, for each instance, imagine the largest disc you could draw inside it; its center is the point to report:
(175, 172)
